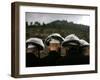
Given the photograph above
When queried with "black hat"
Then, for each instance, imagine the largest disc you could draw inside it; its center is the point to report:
(55, 36)
(84, 43)
(36, 41)
(71, 40)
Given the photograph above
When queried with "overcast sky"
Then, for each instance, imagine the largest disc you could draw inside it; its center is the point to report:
(49, 17)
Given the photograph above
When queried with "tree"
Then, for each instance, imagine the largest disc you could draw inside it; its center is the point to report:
(26, 24)
(43, 24)
(31, 23)
(37, 23)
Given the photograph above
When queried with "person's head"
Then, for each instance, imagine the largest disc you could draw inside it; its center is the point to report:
(31, 48)
(84, 47)
(53, 42)
(86, 51)
(54, 45)
(70, 44)
(34, 45)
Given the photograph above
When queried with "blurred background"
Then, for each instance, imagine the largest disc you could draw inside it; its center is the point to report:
(43, 24)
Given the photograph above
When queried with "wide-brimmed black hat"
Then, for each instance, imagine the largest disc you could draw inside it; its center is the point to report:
(84, 43)
(36, 41)
(71, 40)
(55, 36)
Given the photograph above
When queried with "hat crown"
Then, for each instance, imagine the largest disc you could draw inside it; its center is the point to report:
(84, 43)
(54, 41)
(55, 36)
(36, 41)
(71, 37)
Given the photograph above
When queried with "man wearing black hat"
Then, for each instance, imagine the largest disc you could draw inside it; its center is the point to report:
(84, 49)
(77, 51)
(53, 43)
(71, 45)
(33, 48)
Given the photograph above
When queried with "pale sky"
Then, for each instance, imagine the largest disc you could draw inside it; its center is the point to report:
(49, 17)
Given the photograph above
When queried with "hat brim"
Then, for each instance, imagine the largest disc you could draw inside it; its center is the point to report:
(83, 46)
(71, 43)
(54, 37)
(37, 45)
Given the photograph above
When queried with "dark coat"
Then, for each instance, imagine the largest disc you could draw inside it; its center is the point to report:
(75, 57)
(31, 60)
(52, 59)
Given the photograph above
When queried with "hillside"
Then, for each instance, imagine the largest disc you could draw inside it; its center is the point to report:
(62, 27)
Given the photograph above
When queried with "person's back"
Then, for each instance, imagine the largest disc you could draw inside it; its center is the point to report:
(31, 60)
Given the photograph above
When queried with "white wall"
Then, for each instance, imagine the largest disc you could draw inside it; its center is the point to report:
(5, 40)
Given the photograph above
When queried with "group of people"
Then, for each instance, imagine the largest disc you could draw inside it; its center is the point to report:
(60, 51)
